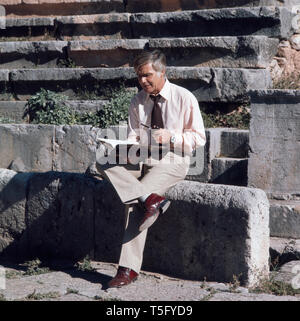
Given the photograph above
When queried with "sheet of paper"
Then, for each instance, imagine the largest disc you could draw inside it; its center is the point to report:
(114, 142)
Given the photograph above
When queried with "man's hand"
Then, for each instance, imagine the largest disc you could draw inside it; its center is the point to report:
(161, 135)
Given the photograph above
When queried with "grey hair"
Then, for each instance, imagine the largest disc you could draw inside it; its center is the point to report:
(156, 57)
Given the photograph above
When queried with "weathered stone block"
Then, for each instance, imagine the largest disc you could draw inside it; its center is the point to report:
(42, 148)
(285, 170)
(60, 215)
(268, 21)
(213, 232)
(27, 54)
(160, 5)
(261, 127)
(13, 189)
(207, 84)
(74, 147)
(275, 151)
(229, 171)
(69, 74)
(273, 22)
(234, 143)
(211, 150)
(82, 106)
(175, 5)
(219, 84)
(4, 75)
(210, 231)
(225, 52)
(223, 142)
(260, 163)
(61, 7)
(285, 219)
(31, 143)
(111, 53)
(111, 25)
(284, 249)
(29, 22)
(13, 110)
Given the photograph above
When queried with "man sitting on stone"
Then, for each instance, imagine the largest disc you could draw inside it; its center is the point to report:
(175, 124)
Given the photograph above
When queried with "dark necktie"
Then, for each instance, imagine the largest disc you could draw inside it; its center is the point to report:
(156, 117)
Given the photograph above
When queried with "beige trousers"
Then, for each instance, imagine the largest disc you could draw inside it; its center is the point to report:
(158, 176)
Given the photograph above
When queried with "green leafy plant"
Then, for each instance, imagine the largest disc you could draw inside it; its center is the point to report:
(87, 118)
(42, 296)
(48, 107)
(85, 265)
(235, 283)
(238, 118)
(34, 267)
(211, 293)
(116, 110)
(66, 63)
(88, 92)
(2, 297)
(275, 287)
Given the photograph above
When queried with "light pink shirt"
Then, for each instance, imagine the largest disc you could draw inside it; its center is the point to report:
(180, 113)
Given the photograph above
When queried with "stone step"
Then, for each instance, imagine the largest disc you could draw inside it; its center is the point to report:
(174, 5)
(61, 7)
(29, 54)
(269, 21)
(284, 250)
(79, 7)
(229, 171)
(234, 143)
(228, 52)
(207, 84)
(285, 219)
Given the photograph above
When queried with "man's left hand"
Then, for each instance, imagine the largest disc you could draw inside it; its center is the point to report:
(161, 135)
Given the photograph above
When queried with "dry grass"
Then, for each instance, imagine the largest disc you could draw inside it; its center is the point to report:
(291, 81)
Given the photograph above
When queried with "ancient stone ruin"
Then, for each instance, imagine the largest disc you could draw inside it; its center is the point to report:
(228, 53)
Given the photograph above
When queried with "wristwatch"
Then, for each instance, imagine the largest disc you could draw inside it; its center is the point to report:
(173, 139)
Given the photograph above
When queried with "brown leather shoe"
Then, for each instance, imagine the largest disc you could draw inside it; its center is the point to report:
(154, 205)
(123, 277)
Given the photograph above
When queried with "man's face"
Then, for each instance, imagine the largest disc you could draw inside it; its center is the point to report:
(150, 80)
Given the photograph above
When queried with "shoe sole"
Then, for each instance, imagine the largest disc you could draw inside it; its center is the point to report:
(163, 207)
(120, 286)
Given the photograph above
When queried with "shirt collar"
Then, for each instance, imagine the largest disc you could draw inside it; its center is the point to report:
(165, 92)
